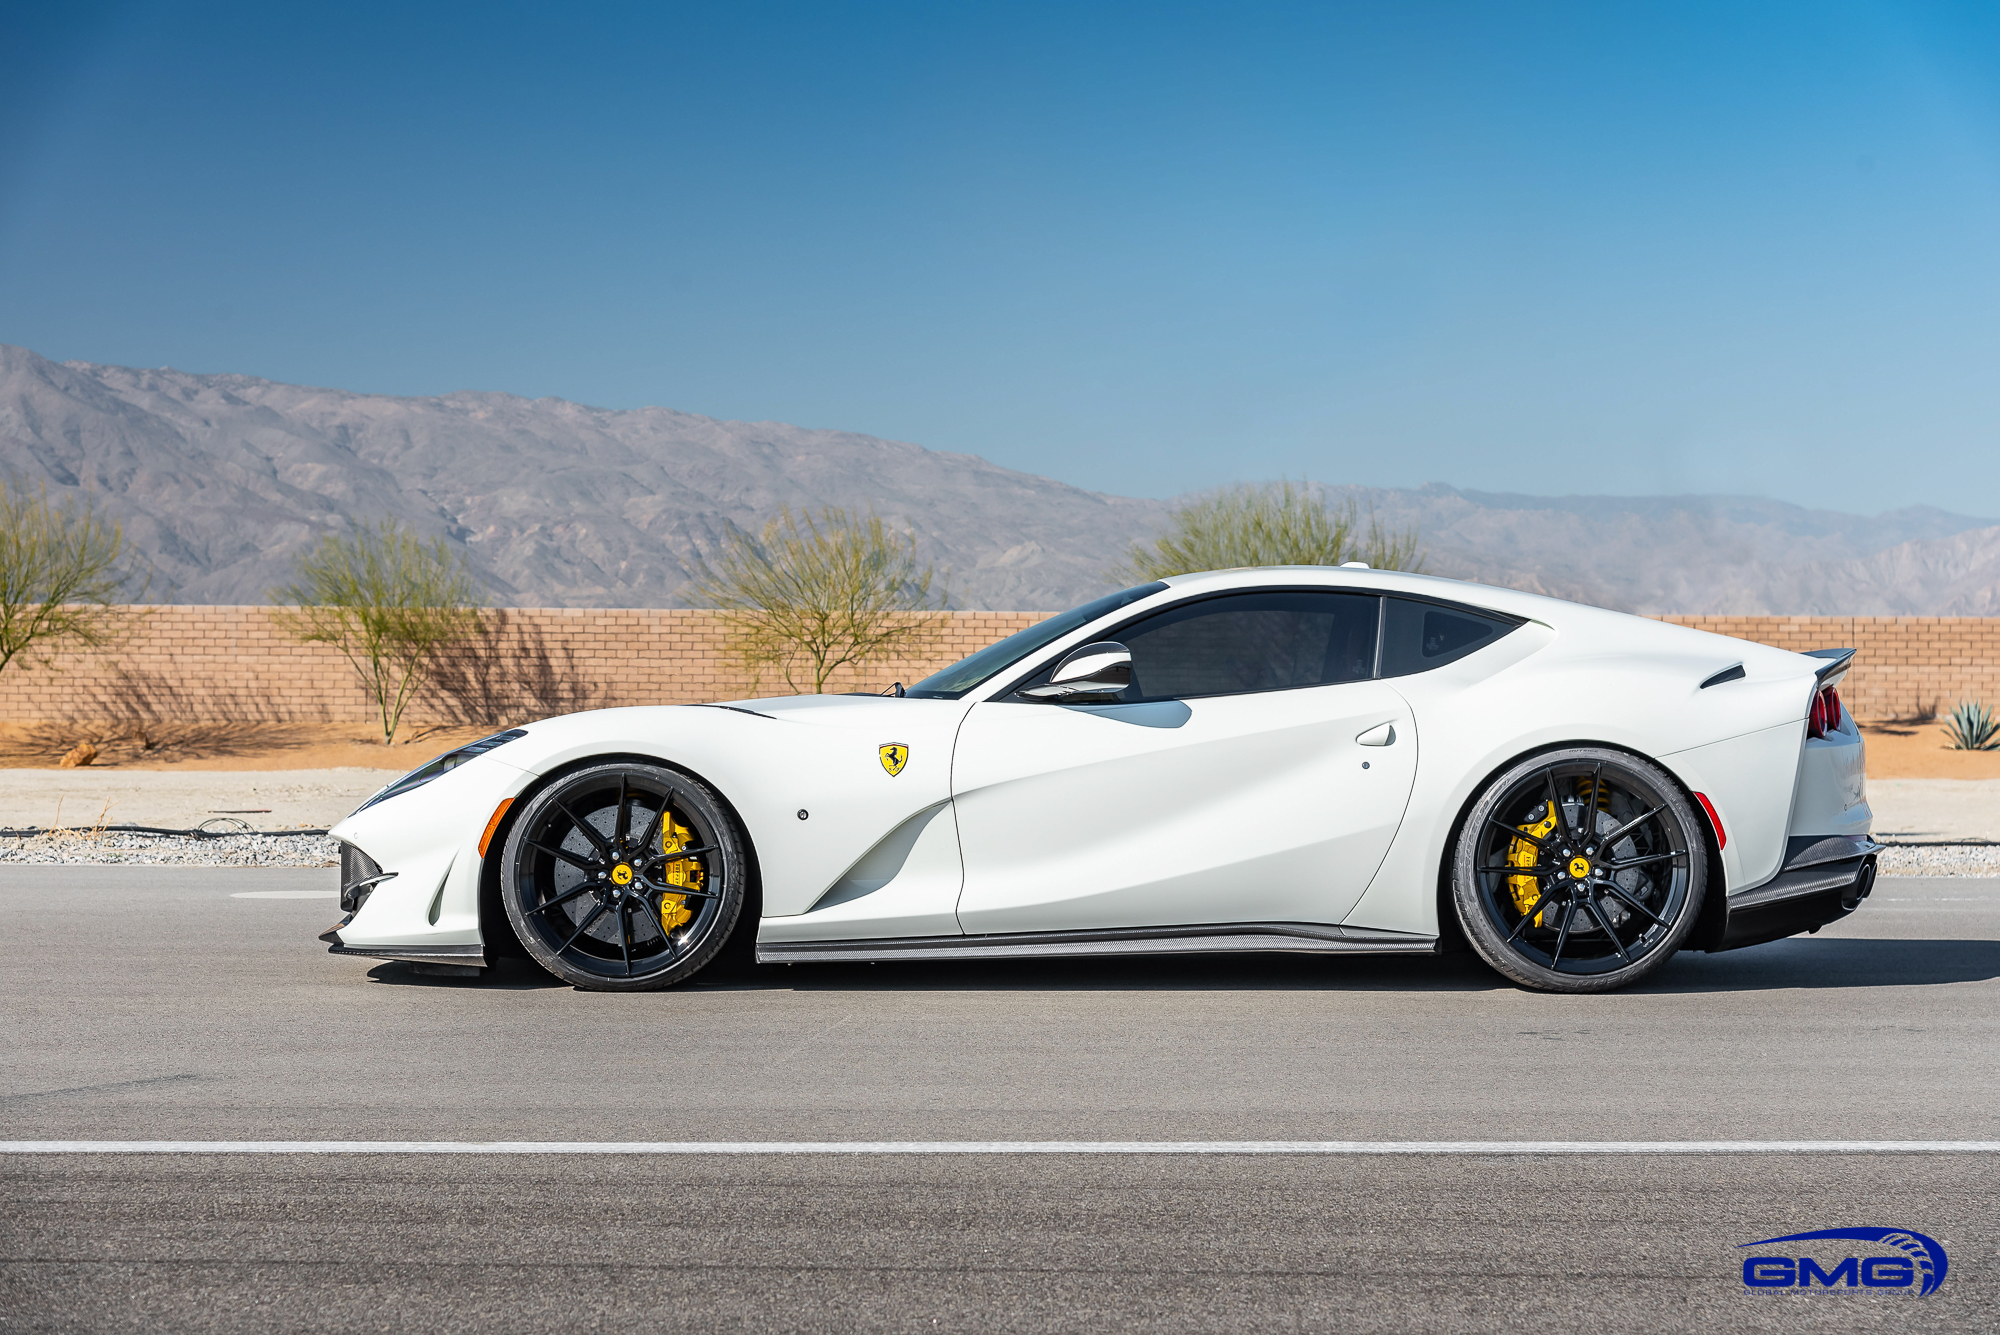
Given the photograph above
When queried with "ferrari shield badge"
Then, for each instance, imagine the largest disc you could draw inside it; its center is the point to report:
(894, 756)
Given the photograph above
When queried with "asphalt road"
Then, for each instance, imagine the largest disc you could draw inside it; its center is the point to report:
(150, 1004)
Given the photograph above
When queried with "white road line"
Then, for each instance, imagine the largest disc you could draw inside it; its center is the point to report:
(286, 894)
(725, 1147)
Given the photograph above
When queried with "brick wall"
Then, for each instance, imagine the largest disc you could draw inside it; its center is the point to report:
(1903, 665)
(224, 664)
(216, 664)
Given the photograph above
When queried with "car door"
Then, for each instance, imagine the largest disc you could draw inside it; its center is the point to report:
(1254, 771)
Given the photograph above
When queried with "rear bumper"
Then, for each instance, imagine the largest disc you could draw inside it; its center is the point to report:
(1823, 879)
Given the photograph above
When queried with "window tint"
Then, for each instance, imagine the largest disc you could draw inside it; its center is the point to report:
(966, 673)
(1252, 642)
(1417, 637)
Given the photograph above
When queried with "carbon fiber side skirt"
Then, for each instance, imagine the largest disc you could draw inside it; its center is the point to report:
(1205, 939)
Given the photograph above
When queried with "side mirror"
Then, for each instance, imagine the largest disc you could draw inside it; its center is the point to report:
(1090, 675)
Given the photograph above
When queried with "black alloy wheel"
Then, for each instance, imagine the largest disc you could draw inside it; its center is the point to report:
(623, 877)
(1580, 870)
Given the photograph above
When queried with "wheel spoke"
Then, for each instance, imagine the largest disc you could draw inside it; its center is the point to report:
(1629, 902)
(582, 927)
(1645, 861)
(1538, 870)
(625, 933)
(653, 825)
(1596, 801)
(690, 891)
(560, 899)
(623, 825)
(1562, 936)
(1629, 826)
(571, 858)
(590, 832)
(1555, 802)
(1529, 916)
(1597, 916)
(1537, 840)
(680, 855)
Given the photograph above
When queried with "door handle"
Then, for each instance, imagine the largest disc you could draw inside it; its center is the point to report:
(1383, 734)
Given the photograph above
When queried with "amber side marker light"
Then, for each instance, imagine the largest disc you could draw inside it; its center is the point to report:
(494, 824)
(1723, 836)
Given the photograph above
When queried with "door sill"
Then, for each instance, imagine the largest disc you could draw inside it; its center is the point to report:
(1205, 939)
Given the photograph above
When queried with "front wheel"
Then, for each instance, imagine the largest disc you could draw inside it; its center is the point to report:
(623, 877)
(1581, 870)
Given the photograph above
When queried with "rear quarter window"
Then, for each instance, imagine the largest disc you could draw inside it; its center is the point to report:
(1418, 636)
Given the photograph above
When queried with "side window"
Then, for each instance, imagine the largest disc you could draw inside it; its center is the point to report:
(1417, 637)
(1252, 642)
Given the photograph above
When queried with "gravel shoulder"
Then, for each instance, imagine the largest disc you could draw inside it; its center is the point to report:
(1951, 860)
(261, 799)
(141, 850)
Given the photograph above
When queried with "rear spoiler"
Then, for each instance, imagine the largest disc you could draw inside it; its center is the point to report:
(1837, 662)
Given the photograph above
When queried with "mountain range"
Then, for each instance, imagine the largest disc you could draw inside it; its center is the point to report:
(220, 480)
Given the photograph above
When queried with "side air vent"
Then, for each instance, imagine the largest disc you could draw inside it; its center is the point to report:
(1727, 674)
(359, 875)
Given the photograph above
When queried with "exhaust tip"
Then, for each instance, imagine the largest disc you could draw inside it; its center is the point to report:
(1864, 885)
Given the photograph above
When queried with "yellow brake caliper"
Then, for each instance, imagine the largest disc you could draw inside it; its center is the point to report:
(686, 872)
(1526, 889)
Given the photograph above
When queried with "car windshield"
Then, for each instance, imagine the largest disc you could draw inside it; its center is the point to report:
(997, 657)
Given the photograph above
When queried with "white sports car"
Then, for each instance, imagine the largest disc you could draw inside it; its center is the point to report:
(1336, 761)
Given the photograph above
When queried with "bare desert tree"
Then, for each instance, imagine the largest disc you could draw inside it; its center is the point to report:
(1283, 524)
(814, 593)
(63, 577)
(388, 602)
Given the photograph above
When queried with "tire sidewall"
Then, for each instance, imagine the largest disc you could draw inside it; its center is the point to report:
(728, 867)
(1487, 939)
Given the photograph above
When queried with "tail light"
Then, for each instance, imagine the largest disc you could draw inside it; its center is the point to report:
(1825, 716)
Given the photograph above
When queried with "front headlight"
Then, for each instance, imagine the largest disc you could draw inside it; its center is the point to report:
(444, 764)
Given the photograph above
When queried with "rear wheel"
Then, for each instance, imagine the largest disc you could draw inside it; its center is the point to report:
(1579, 871)
(623, 877)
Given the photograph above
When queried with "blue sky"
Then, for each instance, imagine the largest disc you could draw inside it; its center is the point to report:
(1144, 248)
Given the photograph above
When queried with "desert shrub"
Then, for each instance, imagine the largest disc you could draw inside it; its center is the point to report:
(1282, 524)
(811, 594)
(1972, 727)
(388, 602)
(63, 574)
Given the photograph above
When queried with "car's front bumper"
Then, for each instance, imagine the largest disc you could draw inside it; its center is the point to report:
(411, 868)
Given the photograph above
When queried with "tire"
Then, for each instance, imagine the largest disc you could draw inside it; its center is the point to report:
(1538, 899)
(592, 894)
